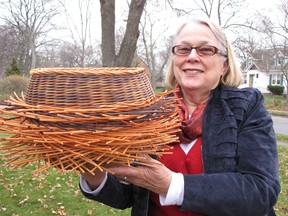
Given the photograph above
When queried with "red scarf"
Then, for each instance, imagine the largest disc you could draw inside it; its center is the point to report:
(191, 127)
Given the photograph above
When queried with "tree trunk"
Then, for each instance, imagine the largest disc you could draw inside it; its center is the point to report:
(108, 32)
(128, 45)
(33, 51)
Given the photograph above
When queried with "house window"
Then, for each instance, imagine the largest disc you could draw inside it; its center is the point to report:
(245, 78)
(279, 61)
(276, 79)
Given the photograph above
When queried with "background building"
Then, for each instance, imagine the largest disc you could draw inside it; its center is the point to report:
(265, 67)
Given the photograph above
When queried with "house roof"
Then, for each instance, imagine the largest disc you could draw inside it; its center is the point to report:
(264, 59)
(252, 66)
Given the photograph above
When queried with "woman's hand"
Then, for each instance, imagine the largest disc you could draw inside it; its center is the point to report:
(94, 181)
(154, 176)
(95, 178)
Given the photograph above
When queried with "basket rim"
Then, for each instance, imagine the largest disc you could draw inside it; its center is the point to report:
(106, 71)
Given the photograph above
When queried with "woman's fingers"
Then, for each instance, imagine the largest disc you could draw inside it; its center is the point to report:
(154, 176)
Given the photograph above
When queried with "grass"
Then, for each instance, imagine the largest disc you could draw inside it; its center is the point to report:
(282, 138)
(23, 193)
(276, 105)
(269, 99)
(282, 204)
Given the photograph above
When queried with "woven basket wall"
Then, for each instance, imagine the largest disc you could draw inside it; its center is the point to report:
(88, 87)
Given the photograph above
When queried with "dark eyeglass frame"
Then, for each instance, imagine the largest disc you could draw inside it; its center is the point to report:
(198, 50)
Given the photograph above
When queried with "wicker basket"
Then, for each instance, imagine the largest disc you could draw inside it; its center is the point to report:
(85, 118)
(88, 87)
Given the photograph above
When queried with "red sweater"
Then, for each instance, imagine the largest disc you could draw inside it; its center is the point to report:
(178, 161)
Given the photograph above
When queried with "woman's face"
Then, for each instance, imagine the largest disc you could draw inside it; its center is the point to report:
(194, 72)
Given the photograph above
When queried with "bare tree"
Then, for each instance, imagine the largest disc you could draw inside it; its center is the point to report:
(228, 13)
(80, 32)
(32, 18)
(108, 32)
(126, 53)
(246, 43)
(277, 36)
(163, 56)
(70, 55)
(11, 43)
(149, 40)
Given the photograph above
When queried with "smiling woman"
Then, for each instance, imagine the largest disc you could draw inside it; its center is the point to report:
(213, 160)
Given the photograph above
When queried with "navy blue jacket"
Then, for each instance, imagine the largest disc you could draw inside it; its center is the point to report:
(240, 162)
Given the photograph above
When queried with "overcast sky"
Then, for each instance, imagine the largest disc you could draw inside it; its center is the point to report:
(266, 4)
(166, 18)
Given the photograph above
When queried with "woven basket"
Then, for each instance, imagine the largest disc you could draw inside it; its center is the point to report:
(88, 87)
(82, 119)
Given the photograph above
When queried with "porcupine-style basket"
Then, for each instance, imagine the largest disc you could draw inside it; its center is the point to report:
(84, 119)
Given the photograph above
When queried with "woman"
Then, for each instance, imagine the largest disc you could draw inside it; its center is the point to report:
(226, 162)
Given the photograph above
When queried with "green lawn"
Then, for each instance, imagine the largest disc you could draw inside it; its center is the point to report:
(269, 99)
(24, 193)
(282, 205)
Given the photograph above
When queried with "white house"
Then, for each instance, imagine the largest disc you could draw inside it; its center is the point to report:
(265, 67)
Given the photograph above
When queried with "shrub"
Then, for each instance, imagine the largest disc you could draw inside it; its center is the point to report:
(13, 84)
(276, 90)
(14, 69)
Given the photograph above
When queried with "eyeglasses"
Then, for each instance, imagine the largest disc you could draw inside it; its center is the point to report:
(204, 50)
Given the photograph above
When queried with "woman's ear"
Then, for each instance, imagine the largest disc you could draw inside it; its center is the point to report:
(225, 67)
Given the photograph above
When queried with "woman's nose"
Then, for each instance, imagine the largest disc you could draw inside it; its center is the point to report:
(193, 55)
